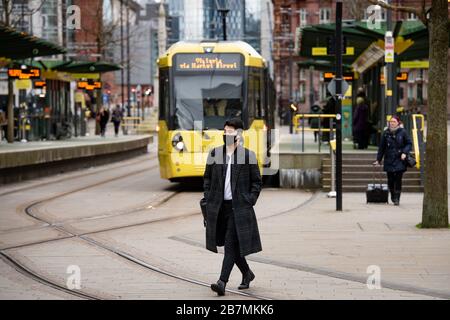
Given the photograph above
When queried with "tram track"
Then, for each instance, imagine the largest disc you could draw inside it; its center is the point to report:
(76, 176)
(28, 208)
(85, 237)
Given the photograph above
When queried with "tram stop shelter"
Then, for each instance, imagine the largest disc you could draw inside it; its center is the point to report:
(58, 75)
(364, 57)
(16, 47)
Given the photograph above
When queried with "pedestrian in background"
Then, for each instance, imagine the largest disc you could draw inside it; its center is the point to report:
(3, 125)
(103, 118)
(313, 121)
(232, 183)
(361, 123)
(394, 147)
(116, 119)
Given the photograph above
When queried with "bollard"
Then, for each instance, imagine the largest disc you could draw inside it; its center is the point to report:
(24, 130)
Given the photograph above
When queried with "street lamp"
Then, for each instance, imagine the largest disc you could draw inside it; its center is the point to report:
(223, 10)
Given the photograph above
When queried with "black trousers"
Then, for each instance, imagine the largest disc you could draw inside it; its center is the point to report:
(395, 181)
(116, 127)
(232, 255)
(362, 139)
(102, 129)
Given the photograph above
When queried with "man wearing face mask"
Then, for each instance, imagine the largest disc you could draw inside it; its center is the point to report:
(232, 183)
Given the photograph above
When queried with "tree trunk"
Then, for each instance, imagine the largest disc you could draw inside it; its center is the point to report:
(10, 108)
(435, 202)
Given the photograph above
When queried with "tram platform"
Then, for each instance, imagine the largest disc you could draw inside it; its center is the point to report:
(306, 164)
(21, 161)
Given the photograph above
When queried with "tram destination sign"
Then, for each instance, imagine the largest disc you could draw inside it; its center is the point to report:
(24, 74)
(208, 61)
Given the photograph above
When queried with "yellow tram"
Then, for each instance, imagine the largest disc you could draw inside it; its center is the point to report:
(201, 85)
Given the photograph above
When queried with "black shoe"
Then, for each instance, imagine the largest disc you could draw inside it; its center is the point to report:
(250, 276)
(397, 199)
(219, 287)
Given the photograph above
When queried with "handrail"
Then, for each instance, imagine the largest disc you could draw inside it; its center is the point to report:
(301, 127)
(415, 136)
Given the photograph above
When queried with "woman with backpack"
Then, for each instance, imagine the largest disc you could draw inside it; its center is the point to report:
(395, 147)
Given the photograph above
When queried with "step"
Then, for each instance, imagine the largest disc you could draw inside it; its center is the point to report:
(363, 188)
(360, 168)
(362, 175)
(351, 161)
(352, 182)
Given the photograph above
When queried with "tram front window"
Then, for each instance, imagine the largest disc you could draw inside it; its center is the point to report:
(209, 98)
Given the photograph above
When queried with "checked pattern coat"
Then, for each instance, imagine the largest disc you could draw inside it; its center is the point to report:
(245, 187)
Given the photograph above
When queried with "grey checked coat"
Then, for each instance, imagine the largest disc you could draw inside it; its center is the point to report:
(245, 187)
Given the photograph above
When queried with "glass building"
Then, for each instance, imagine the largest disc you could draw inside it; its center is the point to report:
(199, 19)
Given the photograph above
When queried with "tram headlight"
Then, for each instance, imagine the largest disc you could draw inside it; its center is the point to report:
(180, 145)
(177, 142)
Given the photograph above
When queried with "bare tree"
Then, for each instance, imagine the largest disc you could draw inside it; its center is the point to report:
(356, 8)
(13, 20)
(435, 18)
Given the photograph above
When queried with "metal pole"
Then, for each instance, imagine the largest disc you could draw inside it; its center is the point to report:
(338, 52)
(128, 59)
(224, 23)
(122, 91)
(311, 87)
(389, 69)
(303, 132)
(319, 135)
(290, 87)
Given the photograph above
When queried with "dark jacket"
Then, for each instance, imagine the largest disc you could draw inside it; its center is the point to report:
(104, 117)
(117, 115)
(245, 187)
(360, 118)
(314, 122)
(392, 145)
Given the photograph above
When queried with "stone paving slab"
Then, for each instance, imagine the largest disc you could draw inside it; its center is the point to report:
(160, 243)
(104, 274)
(15, 286)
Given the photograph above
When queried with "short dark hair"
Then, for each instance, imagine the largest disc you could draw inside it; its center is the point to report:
(236, 123)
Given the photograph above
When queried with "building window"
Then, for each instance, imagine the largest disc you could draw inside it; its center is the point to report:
(410, 92)
(412, 16)
(323, 91)
(301, 93)
(302, 75)
(285, 20)
(303, 18)
(325, 14)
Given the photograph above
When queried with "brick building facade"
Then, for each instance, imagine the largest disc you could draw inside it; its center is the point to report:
(291, 15)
